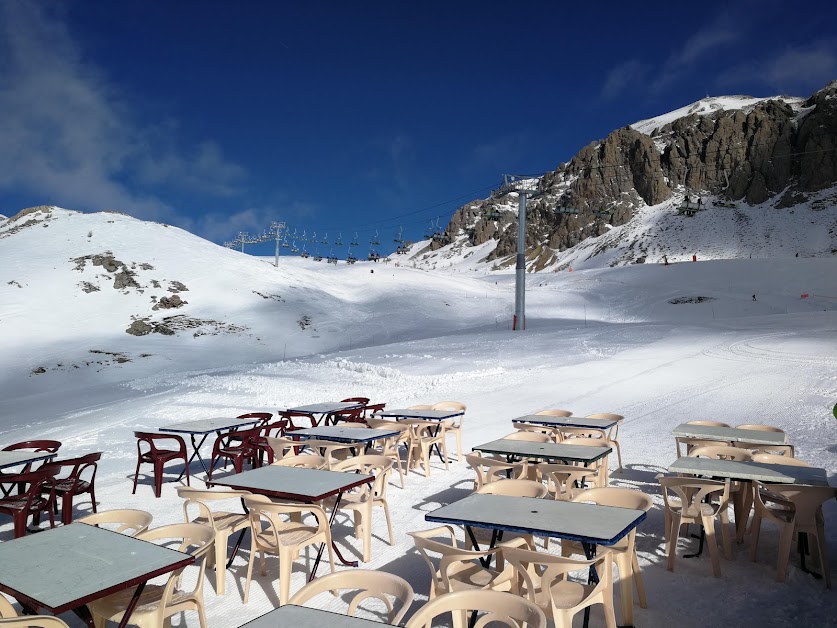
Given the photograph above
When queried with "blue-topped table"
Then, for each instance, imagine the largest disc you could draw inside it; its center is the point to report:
(426, 415)
(589, 524)
(324, 409)
(64, 568)
(304, 617)
(203, 428)
(299, 485)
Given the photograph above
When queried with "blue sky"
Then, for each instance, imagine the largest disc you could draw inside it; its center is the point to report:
(354, 116)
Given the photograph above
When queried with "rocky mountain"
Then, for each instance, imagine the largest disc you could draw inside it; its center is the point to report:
(725, 151)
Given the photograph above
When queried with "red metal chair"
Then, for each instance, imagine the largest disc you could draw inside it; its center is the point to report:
(74, 483)
(272, 430)
(346, 416)
(371, 409)
(237, 447)
(48, 446)
(159, 457)
(363, 400)
(29, 499)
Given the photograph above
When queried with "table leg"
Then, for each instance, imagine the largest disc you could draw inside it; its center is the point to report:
(83, 613)
(331, 518)
(131, 606)
(592, 577)
(802, 548)
(496, 537)
(237, 546)
(195, 453)
(436, 445)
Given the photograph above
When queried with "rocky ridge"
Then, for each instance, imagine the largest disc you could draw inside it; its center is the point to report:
(782, 149)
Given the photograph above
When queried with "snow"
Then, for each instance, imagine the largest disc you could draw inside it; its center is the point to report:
(598, 339)
(707, 106)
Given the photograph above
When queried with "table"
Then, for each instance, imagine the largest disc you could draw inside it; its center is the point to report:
(731, 434)
(64, 568)
(325, 408)
(547, 451)
(589, 524)
(426, 415)
(749, 471)
(203, 428)
(17, 457)
(300, 485)
(347, 434)
(567, 421)
(304, 617)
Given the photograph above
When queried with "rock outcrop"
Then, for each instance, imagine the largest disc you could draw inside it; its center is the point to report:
(771, 149)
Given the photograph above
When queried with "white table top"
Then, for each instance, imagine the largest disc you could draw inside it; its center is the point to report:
(207, 426)
(19, 456)
(588, 523)
(731, 434)
(65, 567)
(776, 473)
(547, 451)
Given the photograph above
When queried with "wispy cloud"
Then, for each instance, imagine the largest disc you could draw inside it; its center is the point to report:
(701, 44)
(795, 70)
(621, 77)
(497, 154)
(68, 136)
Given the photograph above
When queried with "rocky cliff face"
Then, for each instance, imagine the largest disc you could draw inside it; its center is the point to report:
(776, 148)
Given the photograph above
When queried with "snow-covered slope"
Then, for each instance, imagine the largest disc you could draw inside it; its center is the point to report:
(707, 106)
(717, 232)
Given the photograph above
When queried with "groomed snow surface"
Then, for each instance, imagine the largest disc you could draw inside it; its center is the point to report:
(598, 340)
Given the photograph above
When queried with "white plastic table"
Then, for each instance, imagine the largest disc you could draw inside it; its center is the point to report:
(64, 568)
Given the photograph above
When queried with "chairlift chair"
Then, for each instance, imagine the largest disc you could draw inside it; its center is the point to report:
(304, 253)
(294, 247)
(492, 213)
(373, 256)
(325, 239)
(285, 244)
(354, 241)
(399, 239)
(339, 240)
(375, 241)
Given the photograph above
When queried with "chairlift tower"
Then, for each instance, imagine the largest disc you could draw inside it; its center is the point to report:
(525, 187)
(276, 231)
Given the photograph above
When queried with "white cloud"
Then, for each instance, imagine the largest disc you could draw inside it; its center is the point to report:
(621, 77)
(68, 137)
(812, 65)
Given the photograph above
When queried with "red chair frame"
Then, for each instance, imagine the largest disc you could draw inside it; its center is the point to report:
(158, 457)
(236, 446)
(73, 484)
(29, 500)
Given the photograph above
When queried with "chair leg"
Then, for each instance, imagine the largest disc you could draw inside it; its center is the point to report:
(220, 564)
(389, 523)
(626, 586)
(640, 585)
(673, 535)
(286, 564)
(66, 508)
(618, 453)
(824, 566)
(755, 531)
(158, 478)
(785, 543)
(712, 543)
(609, 613)
(136, 477)
(249, 571)
(93, 498)
(726, 533)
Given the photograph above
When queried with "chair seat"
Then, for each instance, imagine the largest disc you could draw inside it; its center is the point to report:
(149, 600)
(224, 520)
(471, 575)
(62, 486)
(568, 593)
(706, 510)
(290, 534)
(19, 503)
(162, 454)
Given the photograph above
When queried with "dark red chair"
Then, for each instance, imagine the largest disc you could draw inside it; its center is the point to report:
(371, 409)
(81, 479)
(47, 446)
(237, 447)
(159, 457)
(363, 400)
(273, 430)
(30, 498)
(347, 416)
